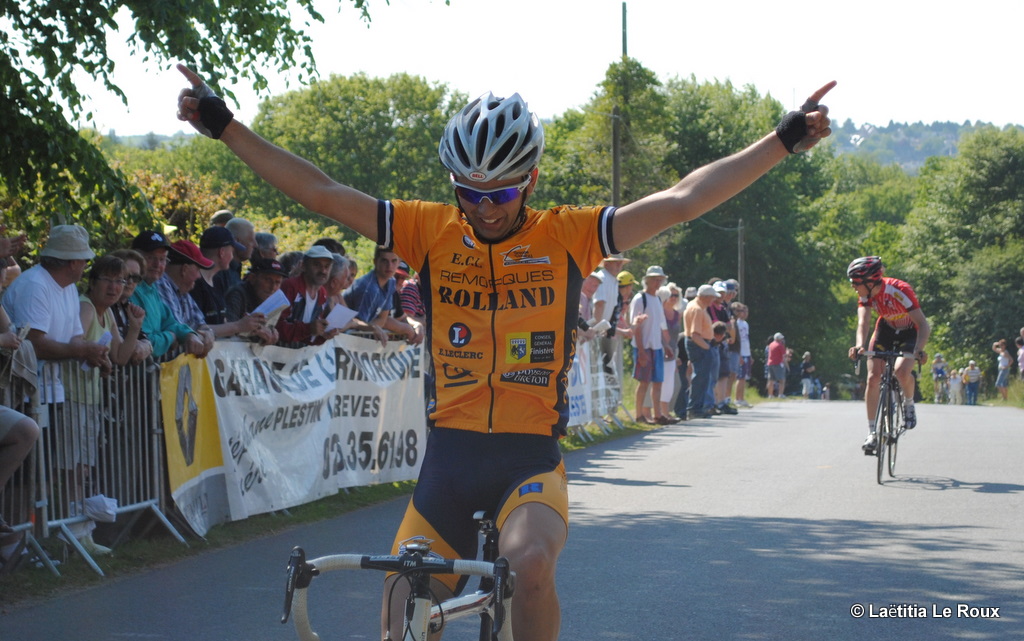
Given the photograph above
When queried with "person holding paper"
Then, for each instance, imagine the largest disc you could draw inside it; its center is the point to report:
(373, 297)
(260, 293)
(218, 246)
(304, 323)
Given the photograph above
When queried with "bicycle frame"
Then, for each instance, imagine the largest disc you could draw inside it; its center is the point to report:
(422, 618)
(889, 424)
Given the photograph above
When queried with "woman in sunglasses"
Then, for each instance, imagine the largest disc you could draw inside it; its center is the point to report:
(124, 311)
(502, 284)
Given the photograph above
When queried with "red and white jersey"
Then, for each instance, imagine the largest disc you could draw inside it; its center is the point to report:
(893, 302)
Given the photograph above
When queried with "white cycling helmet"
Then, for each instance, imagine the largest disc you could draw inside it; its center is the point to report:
(492, 139)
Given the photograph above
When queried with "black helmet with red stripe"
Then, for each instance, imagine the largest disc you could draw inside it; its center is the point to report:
(866, 269)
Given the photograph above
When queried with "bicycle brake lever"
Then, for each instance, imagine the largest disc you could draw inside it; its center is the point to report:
(300, 574)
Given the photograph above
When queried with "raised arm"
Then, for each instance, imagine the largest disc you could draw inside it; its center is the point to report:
(711, 185)
(296, 177)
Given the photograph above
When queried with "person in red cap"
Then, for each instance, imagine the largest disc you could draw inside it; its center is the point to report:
(163, 330)
(184, 260)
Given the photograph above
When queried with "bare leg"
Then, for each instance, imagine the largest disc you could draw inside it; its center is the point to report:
(532, 538)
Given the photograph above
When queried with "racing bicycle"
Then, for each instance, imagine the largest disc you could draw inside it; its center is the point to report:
(889, 419)
(492, 601)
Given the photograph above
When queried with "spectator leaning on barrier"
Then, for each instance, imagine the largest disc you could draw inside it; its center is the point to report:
(134, 265)
(263, 279)
(45, 299)
(184, 264)
(372, 296)
(162, 329)
(304, 323)
(218, 246)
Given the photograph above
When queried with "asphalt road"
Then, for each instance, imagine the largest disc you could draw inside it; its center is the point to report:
(768, 525)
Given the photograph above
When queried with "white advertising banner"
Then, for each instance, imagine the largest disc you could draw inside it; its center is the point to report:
(299, 424)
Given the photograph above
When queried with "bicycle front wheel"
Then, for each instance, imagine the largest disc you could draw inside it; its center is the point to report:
(883, 417)
(896, 428)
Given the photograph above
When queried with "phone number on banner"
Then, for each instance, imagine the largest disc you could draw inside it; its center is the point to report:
(366, 451)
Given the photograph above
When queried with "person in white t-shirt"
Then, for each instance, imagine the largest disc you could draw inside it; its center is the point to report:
(651, 345)
(740, 311)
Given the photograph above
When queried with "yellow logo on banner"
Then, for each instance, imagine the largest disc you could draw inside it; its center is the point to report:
(191, 435)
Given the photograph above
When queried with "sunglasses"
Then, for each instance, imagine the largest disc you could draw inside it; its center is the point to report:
(498, 196)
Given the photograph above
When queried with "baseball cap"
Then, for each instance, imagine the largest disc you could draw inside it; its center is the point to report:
(318, 251)
(779, 337)
(626, 278)
(266, 265)
(690, 293)
(147, 241)
(403, 269)
(217, 237)
(68, 242)
(185, 251)
(732, 285)
(720, 286)
(707, 290)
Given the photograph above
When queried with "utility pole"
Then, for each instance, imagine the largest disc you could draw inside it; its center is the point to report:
(617, 131)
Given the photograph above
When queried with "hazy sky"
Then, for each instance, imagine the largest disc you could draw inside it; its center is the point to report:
(900, 60)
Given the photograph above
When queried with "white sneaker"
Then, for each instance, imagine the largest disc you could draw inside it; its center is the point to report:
(909, 417)
(743, 404)
(870, 443)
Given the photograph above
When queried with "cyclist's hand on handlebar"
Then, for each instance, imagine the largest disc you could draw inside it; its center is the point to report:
(922, 357)
(855, 353)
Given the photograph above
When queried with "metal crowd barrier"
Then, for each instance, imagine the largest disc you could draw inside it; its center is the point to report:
(104, 437)
(101, 438)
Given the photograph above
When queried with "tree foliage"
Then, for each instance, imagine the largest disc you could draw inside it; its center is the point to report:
(49, 172)
(377, 135)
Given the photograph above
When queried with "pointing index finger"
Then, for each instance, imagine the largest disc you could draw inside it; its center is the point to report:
(820, 93)
(193, 78)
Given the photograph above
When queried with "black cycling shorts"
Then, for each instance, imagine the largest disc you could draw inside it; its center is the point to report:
(465, 472)
(889, 339)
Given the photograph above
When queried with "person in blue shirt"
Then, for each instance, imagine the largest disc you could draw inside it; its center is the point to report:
(372, 296)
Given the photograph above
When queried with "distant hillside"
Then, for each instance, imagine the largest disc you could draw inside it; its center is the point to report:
(906, 145)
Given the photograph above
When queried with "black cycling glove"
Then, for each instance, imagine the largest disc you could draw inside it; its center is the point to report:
(793, 127)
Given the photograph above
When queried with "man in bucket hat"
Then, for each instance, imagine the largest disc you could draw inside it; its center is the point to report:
(651, 346)
(45, 299)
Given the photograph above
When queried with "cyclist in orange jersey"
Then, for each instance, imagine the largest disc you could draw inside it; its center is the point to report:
(501, 284)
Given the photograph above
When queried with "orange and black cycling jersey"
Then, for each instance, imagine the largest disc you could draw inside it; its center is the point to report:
(501, 317)
(893, 300)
